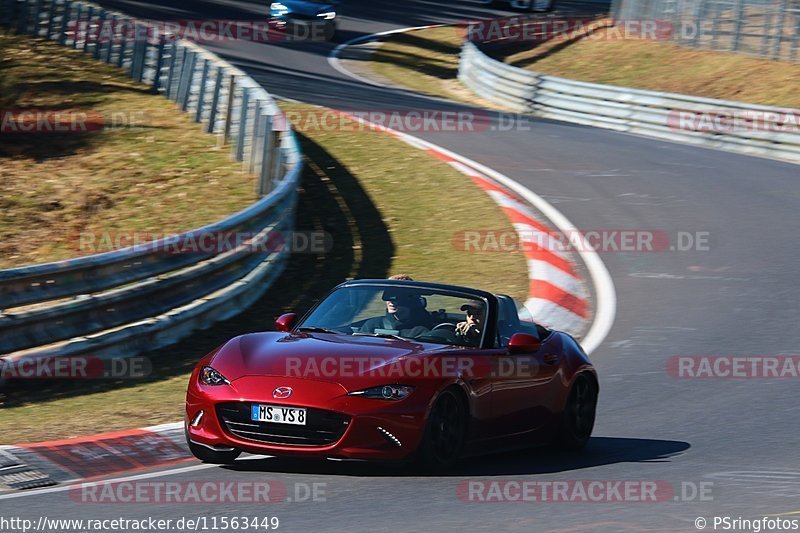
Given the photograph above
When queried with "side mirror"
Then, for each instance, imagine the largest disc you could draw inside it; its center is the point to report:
(521, 343)
(286, 322)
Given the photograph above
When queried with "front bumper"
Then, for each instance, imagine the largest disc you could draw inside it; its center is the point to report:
(372, 429)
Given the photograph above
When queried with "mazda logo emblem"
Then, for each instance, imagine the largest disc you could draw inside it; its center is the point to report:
(281, 393)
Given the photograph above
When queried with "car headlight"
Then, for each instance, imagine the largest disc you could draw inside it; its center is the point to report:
(279, 8)
(209, 376)
(328, 16)
(386, 392)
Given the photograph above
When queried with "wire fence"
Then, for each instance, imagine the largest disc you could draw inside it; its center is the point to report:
(768, 29)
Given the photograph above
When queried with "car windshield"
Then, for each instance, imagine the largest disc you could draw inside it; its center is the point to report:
(401, 311)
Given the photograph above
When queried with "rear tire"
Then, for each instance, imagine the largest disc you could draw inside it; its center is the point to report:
(207, 455)
(577, 419)
(445, 432)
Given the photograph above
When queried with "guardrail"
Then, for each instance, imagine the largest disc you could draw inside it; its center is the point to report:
(139, 298)
(735, 126)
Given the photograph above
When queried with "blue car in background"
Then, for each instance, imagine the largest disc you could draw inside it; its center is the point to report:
(305, 19)
(529, 5)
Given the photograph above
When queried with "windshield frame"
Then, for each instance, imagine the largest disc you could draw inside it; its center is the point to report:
(489, 331)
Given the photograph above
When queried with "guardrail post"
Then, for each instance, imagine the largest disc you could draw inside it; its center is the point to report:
(144, 46)
(252, 161)
(76, 29)
(266, 148)
(137, 54)
(198, 116)
(737, 25)
(226, 132)
(66, 12)
(173, 58)
(111, 39)
(88, 33)
(37, 21)
(123, 43)
(9, 12)
(242, 124)
(5, 12)
(777, 40)
(98, 41)
(50, 18)
(212, 115)
(178, 73)
(22, 20)
(793, 45)
(187, 76)
(277, 156)
(162, 44)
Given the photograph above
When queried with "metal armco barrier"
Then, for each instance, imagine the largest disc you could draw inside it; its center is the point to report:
(707, 122)
(128, 301)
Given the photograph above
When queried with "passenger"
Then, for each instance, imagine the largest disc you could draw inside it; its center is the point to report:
(472, 328)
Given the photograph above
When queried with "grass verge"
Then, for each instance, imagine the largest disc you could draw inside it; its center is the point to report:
(427, 61)
(155, 173)
(389, 207)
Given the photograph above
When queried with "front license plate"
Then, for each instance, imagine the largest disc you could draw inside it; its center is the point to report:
(278, 414)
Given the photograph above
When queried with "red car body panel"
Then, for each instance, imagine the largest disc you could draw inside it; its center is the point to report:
(513, 400)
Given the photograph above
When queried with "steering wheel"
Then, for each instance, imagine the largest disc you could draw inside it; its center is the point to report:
(444, 325)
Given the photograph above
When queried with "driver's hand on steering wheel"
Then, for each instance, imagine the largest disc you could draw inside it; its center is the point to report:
(463, 329)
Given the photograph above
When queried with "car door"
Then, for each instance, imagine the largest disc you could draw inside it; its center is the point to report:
(523, 384)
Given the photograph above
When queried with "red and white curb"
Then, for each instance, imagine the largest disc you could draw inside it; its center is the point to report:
(557, 296)
(30, 466)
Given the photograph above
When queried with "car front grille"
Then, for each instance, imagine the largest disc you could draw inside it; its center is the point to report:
(323, 427)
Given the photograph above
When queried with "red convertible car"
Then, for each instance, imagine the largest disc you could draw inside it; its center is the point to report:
(393, 370)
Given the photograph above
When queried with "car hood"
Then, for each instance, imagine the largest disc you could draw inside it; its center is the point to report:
(353, 362)
(308, 8)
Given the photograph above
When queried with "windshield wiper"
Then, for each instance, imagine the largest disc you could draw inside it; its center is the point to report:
(381, 335)
(315, 329)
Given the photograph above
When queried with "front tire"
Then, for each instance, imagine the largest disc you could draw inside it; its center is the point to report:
(207, 455)
(577, 419)
(445, 432)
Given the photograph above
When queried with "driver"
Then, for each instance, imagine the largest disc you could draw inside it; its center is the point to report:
(405, 314)
(472, 328)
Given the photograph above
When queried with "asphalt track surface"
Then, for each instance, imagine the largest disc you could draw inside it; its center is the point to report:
(739, 298)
